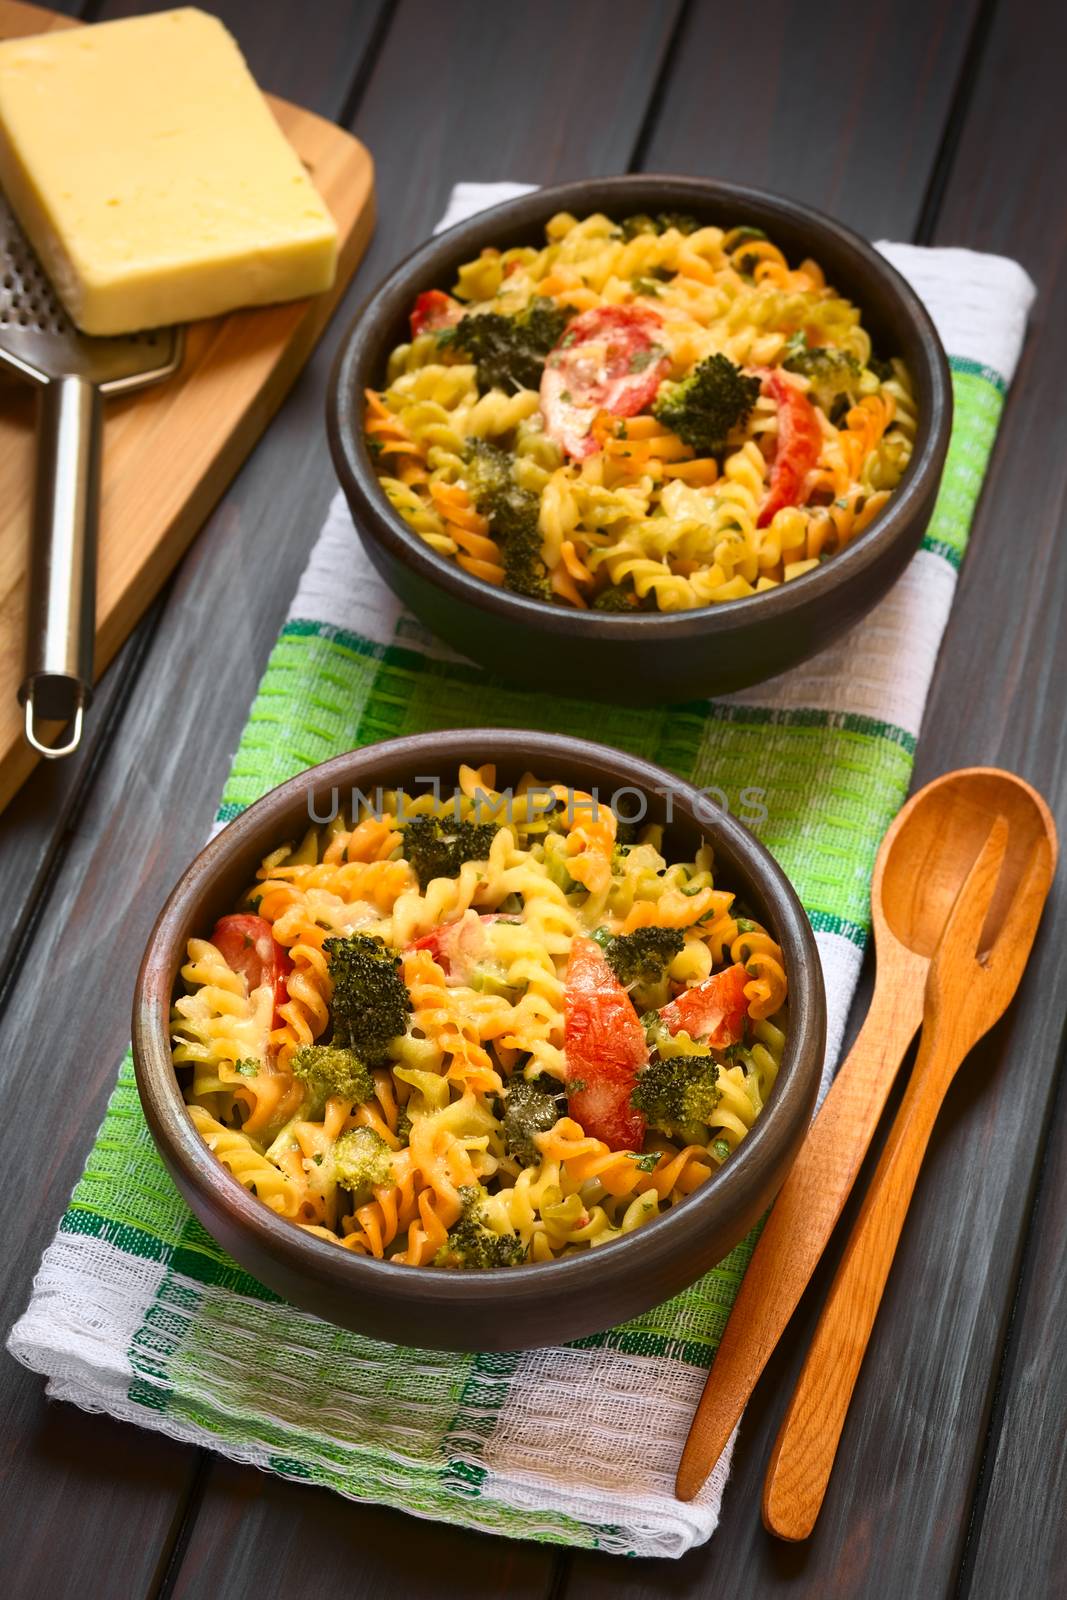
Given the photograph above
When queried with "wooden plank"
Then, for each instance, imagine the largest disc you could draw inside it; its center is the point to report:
(168, 453)
(117, 1522)
(310, 54)
(335, 36)
(94, 1516)
(256, 1534)
(840, 106)
(1019, 1532)
(503, 94)
(896, 1519)
(739, 1554)
(52, 1454)
(1003, 194)
(418, 168)
(149, 805)
(288, 483)
(39, 821)
(81, 1495)
(853, 1553)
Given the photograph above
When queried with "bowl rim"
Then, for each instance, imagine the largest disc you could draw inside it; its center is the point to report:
(359, 479)
(656, 1241)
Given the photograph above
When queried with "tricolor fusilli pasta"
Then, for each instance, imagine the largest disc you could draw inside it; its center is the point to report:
(648, 413)
(479, 1031)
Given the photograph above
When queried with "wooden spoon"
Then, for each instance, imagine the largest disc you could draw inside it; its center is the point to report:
(923, 861)
(973, 977)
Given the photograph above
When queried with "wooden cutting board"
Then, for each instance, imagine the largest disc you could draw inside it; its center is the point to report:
(170, 452)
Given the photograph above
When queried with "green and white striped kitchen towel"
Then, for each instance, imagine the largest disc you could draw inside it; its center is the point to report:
(137, 1312)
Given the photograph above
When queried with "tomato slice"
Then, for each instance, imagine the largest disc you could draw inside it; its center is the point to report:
(799, 443)
(434, 309)
(605, 1047)
(609, 359)
(458, 946)
(713, 1011)
(434, 942)
(248, 946)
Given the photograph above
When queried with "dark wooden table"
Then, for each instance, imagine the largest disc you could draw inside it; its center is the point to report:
(941, 121)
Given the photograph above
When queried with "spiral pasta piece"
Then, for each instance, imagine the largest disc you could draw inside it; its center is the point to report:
(238, 1154)
(478, 553)
(437, 1018)
(392, 445)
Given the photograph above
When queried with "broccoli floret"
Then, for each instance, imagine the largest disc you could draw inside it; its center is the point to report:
(514, 522)
(510, 351)
(614, 598)
(472, 1243)
(520, 536)
(513, 515)
(678, 1096)
(369, 1007)
(370, 1002)
(436, 847)
(644, 955)
(640, 959)
(543, 322)
(834, 376)
(488, 474)
(328, 1069)
(641, 222)
(528, 1109)
(703, 408)
(677, 219)
(362, 1161)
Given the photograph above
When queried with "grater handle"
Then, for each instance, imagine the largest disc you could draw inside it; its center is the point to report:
(61, 621)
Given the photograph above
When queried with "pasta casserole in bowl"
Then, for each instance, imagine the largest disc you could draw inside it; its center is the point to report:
(480, 1039)
(641, 438)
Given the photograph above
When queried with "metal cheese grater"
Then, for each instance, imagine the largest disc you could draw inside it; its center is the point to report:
(72, 372)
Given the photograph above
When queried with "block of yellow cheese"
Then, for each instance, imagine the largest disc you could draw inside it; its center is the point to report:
(151, 177)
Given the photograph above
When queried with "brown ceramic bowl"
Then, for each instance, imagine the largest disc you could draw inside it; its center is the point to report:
(651, 657)
(515, 1307)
